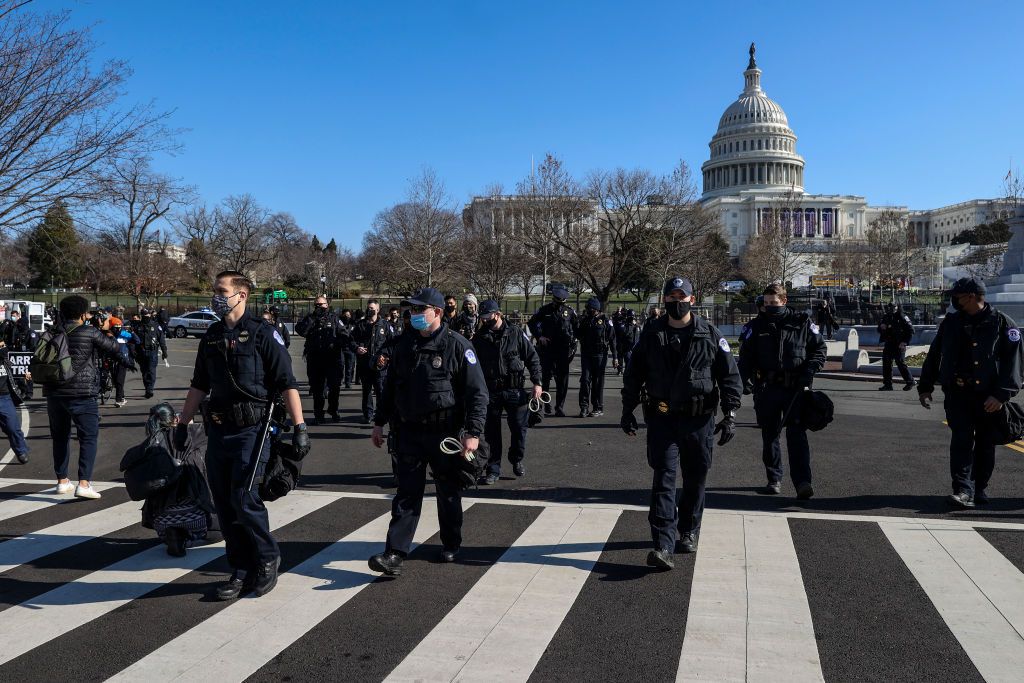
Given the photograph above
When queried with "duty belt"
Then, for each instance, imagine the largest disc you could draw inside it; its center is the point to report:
(691, 408)
(240, 415)
(437, 421)
(510, 382)
(786, 379)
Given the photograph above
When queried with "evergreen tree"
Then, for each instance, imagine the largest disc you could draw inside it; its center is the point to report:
(54, 249)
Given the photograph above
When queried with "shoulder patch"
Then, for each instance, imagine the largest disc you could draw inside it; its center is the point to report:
(723, 344)
(749, 332)
(470, 356)
(815, 329)
(278, 338)
(1013, 334)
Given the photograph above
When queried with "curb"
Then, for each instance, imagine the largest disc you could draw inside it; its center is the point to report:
(849, 377)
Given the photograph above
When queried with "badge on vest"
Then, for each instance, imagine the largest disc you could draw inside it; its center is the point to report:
(815, 329)
(436, 362)
(243, 336)
(662, 407)
(565, 312)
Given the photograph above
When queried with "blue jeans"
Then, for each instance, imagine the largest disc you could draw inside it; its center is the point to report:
(83, 413)
(10, 423)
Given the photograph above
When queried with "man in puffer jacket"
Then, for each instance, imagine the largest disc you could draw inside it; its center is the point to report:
(74, 402)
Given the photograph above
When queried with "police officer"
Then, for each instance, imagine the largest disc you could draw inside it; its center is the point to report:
(465, 323)
(154, 344)
(271, 315)
(627, 334)
(976, 358)
(241, 361)
(348, 350)
(597, 337)
(895, 332)
(506, 357)
(684, 367)
(370, 336)
(325, 337)
(555, 328)
(780, 353)
(434, 389)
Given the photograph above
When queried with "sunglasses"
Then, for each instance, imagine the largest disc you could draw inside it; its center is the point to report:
(419, 309)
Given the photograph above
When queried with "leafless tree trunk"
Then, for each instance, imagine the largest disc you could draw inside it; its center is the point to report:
(243, 237)
(776, 253)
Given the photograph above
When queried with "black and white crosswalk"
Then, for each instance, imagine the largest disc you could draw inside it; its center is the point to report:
(541, 591)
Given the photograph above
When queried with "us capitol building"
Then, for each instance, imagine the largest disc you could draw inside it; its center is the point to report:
(755, 169)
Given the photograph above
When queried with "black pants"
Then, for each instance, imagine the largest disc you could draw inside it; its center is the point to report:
(243, 516)
(324, 371)
(677, 445)
(117, 376)
(348, 362)
(771, 401)
(972, 455)
(592, 381)
(150, 359)
(515, 404)
(555, 363)
(624, 357)
(82, 413)
(373, 385)
(415, 450)
(891, 353)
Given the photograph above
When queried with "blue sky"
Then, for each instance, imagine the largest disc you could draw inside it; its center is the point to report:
(326, 109)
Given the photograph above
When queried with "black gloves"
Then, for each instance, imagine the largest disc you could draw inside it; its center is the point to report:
(748, 388)
(164, 354)
(130, 365)
(629, 424)
(807, 381)
(727, 426)
(300, 441)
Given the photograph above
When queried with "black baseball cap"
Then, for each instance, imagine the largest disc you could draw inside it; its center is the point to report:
(967, 285)
(425, 296)
(559, 291)
(594, 303)
(677, 283)
(489, 306)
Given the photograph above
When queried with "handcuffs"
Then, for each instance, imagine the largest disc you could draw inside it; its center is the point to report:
(536, 403)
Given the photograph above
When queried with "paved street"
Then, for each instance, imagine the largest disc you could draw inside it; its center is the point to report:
(873, 579)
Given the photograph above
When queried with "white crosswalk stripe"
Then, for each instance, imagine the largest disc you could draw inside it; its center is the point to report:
(32, 502)
(749, 615)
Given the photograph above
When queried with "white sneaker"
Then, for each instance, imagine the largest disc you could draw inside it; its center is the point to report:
(65, 488)
(86, 492)
(121, 403)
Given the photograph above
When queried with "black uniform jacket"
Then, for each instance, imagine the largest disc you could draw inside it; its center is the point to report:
(507, 357)
(597, 336)
(557, 322)
(242, 364)
(707, 371)
(788, 343)
(428, 375)
(981, 352)
(898, 329)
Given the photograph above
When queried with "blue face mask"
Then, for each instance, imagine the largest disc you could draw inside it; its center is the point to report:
(419, 321)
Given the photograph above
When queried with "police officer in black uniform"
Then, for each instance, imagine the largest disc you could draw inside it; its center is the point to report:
(325, 336)
(506, 357)
(895, 332)
(154, 344)
(555, 328)
(685, 368)
(241, 361)
(976, 358)
(271, 315)
(348, 350)
(627, 334)
(434, 389)
(780, 353)
(597, 338)
(370, 336)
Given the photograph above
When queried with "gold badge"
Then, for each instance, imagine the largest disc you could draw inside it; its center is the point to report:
(436, 362)
(662, 407)
(243, 336)
(565, 312)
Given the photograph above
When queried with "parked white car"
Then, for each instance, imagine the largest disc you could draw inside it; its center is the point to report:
(191, 324)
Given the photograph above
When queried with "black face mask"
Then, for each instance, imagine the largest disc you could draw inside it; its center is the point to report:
(489, 324)
(774, 310)
(370, 313)
(450, 308)
(955, 303)
(677, 310)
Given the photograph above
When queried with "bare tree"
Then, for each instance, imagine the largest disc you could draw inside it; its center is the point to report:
(895, 256)
(778, 252)
(198, 231)
(1013, 187)
(135, 199)
(419, 236)
(708, 264)
(60, 124)
(243, 238)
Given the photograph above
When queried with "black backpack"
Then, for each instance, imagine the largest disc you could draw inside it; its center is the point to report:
(816, 411)
(150, 467)
(281, 474)
(51, 364)
(1006, 425)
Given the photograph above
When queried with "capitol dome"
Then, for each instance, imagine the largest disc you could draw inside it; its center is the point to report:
(754, 147)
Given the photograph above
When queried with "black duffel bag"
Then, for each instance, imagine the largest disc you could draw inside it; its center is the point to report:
(281, 475)
(816, 411)
(1006, 425)
(150, 467)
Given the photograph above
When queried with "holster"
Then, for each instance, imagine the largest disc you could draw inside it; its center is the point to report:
(243, 414)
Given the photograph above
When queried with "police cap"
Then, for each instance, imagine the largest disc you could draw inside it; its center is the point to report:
(677, 283)
(967, 285)
(559, 291)
(489, 306)
(594, 302)
(425, 296)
